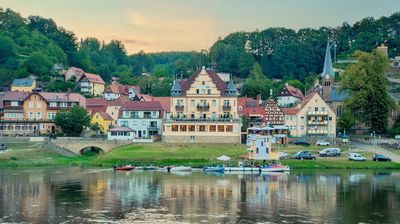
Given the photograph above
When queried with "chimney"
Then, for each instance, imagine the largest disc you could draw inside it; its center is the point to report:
(259, 101)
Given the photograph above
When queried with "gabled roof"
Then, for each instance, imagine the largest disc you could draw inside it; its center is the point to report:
(221, 85)
(142, 106)
(96, 101)
(92, 78)
(121, 89)
(104, 115)
(293, 91)
(23, 82)
(290, 111)
(119, 102)
(165, 102)
(254, 111)
(15, 96)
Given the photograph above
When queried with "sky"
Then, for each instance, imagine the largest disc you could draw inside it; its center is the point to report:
(183, 25)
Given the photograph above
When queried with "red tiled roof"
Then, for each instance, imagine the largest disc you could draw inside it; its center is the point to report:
(144, 97)
(254, 111)
(92, 78)
(15, 95)
(165, 102)
(120, 101)
(104, 115)
(96, 101)
(75, 97)
(122, 89)
(221, 86)
(294, 91)
(142, 105)
(290, 111)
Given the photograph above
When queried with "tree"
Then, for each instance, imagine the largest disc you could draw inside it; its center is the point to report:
(257, 83)
(246, 63)
(346, 121)
(7, 48)
(367, 85)
(39, 63)
(72, 122)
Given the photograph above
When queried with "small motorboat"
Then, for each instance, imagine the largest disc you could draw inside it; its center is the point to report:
(124, 168)
(275, 168)
(170, 169)
(242, 169)
(209, 169)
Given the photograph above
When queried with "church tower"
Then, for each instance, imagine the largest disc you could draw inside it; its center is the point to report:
(327, 75)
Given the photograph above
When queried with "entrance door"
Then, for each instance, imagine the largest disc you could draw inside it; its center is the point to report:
(139, 134)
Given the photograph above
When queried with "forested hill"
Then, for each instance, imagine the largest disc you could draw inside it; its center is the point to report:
(31, 46)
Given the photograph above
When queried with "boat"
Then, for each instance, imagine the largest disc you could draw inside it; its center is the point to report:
(275, 168)
(213, 169)
(242, 169)
(149, 168)
(124, 168)
(176, 169)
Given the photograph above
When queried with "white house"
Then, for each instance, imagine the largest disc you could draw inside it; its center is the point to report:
(289, 96)
(144, 117)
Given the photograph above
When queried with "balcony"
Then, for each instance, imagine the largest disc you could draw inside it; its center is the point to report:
(203, 108)
(317, 132)
(316, 123)
(202, 120)
(226, 108)
(179, 107)
(153, 128)
(317, 113)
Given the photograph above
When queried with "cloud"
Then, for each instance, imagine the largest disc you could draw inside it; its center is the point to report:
(131, 41)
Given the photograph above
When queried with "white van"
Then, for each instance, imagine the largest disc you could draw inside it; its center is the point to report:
(355, 157)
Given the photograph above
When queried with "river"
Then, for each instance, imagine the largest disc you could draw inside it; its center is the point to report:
(82, 195)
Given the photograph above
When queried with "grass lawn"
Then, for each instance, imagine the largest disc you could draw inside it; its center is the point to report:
(195, 155)
(32, 154)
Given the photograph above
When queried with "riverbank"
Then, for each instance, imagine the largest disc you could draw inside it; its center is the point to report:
(157, 154)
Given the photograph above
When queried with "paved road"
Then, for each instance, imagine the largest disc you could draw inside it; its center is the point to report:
(379, 150)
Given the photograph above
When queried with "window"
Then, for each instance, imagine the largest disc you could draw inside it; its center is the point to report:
(51, 115)
(229, 128)
(39, 104)
(30, 115)
(63, 104)
(257, 150)
(134, 114)
(212, 128)
(213, 103)
(202, 128)
(203, 91)
(192, 128)
(174, 128)
(214, 115)
(226, 102)
(197, 91)
(124, 123)
(221, 128)
(179, 102)
(316, 108)
(31, 104)
(38, 115)
(209, 91)
(192, 103)
(323, 108)
(183, 128)
(53, 104)
(330, 118)
(203, 83)
(302, 127)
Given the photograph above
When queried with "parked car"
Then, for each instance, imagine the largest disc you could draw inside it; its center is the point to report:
(3, 146)
(304, 155)
(356, 157)
(380, 157)
(330, 152)
(301, 142)
(322, 142)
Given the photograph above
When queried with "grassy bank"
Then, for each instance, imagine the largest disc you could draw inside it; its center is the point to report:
(194, 155)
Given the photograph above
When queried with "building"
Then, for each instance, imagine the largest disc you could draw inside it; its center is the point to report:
(312, 117)
(91, 84)
(144, 117)
(73, 72)
(203, 110)
(115, 90)
(261, 112)
(32, 113)
(103, 120)
(23, 85)
(120, 133)
(289, 96)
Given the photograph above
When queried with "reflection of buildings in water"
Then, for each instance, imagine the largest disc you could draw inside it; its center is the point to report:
(212, 196)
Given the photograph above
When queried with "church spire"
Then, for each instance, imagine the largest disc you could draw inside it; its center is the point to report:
(328, 69)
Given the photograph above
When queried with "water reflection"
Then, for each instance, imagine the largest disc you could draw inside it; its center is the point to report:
(79, 195)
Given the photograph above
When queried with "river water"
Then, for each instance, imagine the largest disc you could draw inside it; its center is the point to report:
(81, 195)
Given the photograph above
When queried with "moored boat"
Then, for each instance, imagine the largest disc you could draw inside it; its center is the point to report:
(149, 168)
(124, 168)
(275, 168)
(242, 169)
(180, 169)
(214, 169)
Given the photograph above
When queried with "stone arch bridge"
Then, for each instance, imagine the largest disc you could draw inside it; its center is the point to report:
(75, 145)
